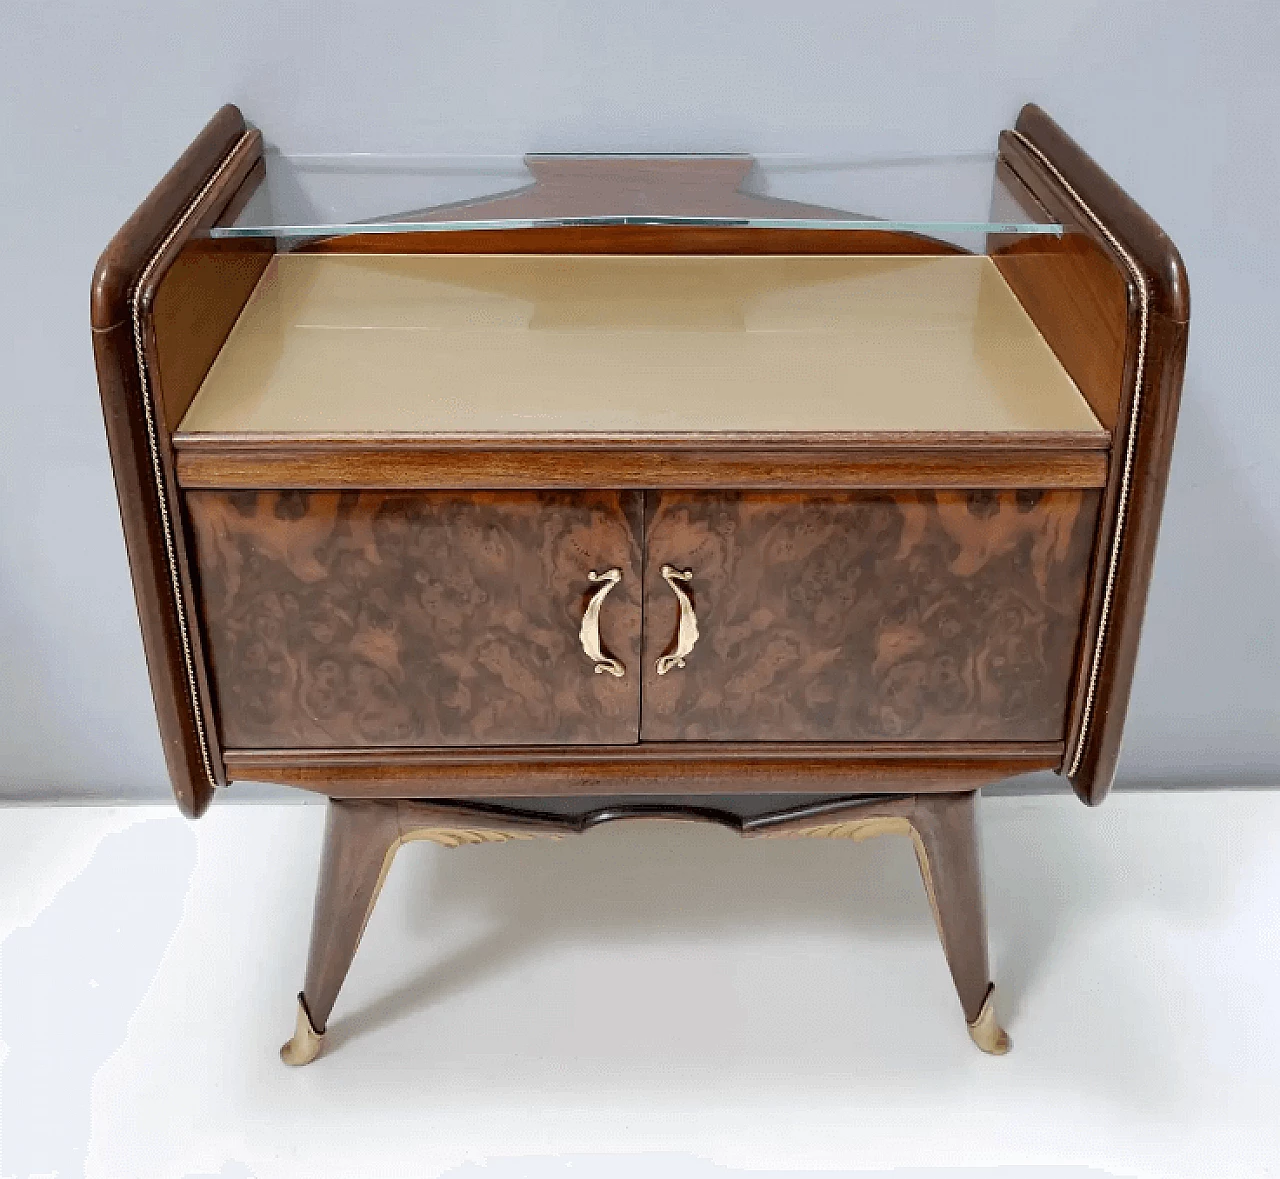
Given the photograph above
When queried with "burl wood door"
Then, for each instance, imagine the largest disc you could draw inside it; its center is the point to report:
(912, 616)
(424, 618)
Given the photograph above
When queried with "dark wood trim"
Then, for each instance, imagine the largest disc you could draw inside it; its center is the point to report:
(1052, 167)
(669, 769)
(871, 440)
(113, 350)
(829, 811)
(334, 467)
(745, 814)
(487, 816)
(648, 751)
(1150, 246)
(1099, 752)
(725, 810)
(131, 248)
(636, 239)
(138, 438)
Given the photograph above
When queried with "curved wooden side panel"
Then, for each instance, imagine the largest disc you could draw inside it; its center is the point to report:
(1142, 308)
(141, 399)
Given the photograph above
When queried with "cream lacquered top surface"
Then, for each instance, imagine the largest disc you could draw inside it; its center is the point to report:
(484, 344)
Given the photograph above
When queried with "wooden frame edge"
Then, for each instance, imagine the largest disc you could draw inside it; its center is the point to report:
(669, 768)
(426, 469)
(138, 442)
(1058, 172)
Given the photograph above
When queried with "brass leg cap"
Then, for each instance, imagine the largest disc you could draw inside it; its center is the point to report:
(306, 1043)
(985, 1032)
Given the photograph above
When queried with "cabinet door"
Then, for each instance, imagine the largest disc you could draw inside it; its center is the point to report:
(377, 618)
(914, 616)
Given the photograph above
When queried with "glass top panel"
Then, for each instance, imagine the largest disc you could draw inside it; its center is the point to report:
(308, 196)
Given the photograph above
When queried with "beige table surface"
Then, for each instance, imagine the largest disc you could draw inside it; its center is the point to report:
(482, 344)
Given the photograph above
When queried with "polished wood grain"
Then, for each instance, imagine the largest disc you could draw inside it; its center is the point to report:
(358, 839)
(946, 826)
(197, 298)
(854, 617)
(1152, 249)
(196, 304)
(384, 619)
(639, 239)
(1074, 292)
(1052, 167)
(677, 768)
(282, 464)
(622, 186)
(157, 558)
(1039, 183)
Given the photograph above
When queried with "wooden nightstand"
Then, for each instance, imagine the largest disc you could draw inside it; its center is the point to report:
(628, 493)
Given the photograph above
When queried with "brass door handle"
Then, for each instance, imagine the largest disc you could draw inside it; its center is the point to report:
(589, 634)
(687, 634)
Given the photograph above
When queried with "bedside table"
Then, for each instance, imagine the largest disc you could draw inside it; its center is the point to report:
(629, 493)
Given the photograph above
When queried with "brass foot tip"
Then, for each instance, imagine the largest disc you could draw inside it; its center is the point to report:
(306, 1043)
(985, 1032)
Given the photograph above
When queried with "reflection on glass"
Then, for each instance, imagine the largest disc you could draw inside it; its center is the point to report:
(949, 197)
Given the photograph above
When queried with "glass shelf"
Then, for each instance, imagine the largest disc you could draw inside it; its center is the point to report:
(303, 197)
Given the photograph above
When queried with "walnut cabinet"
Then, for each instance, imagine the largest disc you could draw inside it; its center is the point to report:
(363, 619)
(632, 492)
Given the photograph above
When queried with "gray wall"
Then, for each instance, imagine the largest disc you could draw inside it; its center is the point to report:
(1177, 99)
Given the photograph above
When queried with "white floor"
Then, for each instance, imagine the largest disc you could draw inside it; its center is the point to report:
(649, 999)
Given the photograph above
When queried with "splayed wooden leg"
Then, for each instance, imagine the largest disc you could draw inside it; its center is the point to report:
(944, 831)
(947, 849)
(361, 838)
(360, 841)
